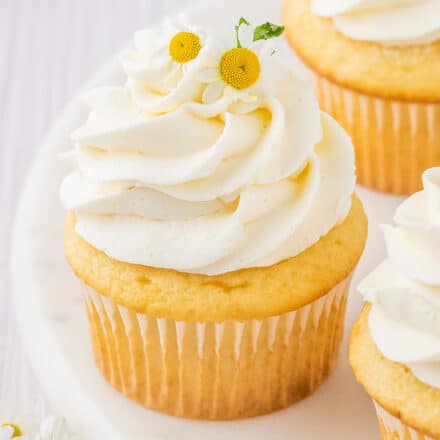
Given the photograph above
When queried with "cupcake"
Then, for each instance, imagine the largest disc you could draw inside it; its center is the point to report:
(213, 226)
(395, 344)
(376, 66)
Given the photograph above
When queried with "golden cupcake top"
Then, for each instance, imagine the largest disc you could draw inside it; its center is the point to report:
(392, 385)
(254, 293)
(404, 72)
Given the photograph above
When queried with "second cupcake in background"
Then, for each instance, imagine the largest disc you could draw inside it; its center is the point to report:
(376, 66)
(214, 226)
(395, 344)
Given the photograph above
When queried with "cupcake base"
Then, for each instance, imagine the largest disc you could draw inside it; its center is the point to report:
(386, 98)
(395, 141)
(392, 428)
(217, 371)
(407, 409)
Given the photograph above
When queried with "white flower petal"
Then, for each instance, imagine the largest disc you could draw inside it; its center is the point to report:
(6, 432)
(162, 57)
(208, 75)
(145, 40)
(213, 92)
(233, 92)
(53, 428)
(250, 98)
(212, 52)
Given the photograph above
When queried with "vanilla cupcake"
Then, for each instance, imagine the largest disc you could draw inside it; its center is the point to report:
(376, 66)
(395, 345)
(213, 226)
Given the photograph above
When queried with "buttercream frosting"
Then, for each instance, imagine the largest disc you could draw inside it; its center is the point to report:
(405, 289)
(393, 22)
(176, 169)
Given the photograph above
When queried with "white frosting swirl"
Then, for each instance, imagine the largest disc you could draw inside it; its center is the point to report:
(167, 178)
(405, 289)
(393, 22)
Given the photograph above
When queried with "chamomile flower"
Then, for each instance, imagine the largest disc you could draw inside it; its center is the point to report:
(51, 428)
(164, 54)
(16, 427)
(54, 428)
(9, 430)
(240, 75)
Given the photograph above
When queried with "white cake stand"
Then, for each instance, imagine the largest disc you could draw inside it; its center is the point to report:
(54, 329)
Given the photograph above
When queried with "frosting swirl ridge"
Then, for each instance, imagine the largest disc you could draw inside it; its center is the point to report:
(393, 22)
(178, 170)
(405, 288)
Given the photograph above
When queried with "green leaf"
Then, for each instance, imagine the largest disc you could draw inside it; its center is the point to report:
(241, 22)
(267, 31)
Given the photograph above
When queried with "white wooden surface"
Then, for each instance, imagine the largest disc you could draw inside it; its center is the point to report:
(47, 49)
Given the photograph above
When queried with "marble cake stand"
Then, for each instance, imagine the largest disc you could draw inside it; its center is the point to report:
(52, 319)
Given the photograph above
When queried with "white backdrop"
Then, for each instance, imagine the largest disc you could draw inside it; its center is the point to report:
(47, 49)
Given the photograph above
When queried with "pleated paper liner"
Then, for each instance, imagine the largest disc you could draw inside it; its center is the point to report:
(395, 141)
(392, 428)
(217, 371)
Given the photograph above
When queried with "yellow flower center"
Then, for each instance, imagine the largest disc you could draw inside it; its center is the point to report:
(16, 429)
(240, 68)
(184, 47)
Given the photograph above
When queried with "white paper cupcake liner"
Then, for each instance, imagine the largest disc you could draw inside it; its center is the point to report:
(395, 141)
(392, 428)
(222, 370)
